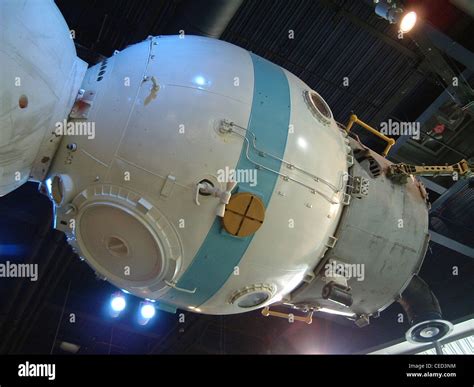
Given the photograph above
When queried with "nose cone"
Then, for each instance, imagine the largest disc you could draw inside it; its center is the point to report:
(39, 80)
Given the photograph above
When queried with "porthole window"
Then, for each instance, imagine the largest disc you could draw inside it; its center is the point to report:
(318, 106)
(252, 296)
(253, 299)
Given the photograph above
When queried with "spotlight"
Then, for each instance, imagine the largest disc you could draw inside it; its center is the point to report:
(390, 11)
(117, 304)
(408, 21)
(147, 312)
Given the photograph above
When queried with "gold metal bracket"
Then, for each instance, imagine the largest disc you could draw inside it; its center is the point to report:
(308, 319)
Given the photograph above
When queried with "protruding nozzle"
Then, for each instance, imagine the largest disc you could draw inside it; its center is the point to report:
(424, 313)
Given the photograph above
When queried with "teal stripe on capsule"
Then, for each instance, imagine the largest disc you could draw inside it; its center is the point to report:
(269, 120)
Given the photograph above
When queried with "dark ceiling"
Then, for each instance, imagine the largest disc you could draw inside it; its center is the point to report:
(333, 39)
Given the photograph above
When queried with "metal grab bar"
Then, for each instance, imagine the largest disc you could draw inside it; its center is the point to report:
(354, 120)
(308, 319)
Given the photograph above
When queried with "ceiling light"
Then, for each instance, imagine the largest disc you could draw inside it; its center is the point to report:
(394, 14)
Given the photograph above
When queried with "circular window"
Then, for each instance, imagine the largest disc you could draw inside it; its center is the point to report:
(252, 296)
(253, 299)
(318, 106)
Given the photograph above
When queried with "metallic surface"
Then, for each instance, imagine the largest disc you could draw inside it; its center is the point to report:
(170, 73)
(386, 232)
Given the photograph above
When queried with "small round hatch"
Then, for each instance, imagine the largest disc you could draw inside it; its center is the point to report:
(252, 296)
(244, 214)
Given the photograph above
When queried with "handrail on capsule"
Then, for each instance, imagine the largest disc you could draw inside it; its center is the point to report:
(354, 120)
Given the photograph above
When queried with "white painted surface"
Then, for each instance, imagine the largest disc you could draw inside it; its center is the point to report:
(38, 60)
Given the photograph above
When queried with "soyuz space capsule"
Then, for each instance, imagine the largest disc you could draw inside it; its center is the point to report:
(192, 172)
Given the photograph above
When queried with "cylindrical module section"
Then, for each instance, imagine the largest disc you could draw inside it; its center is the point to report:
(40, 78)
